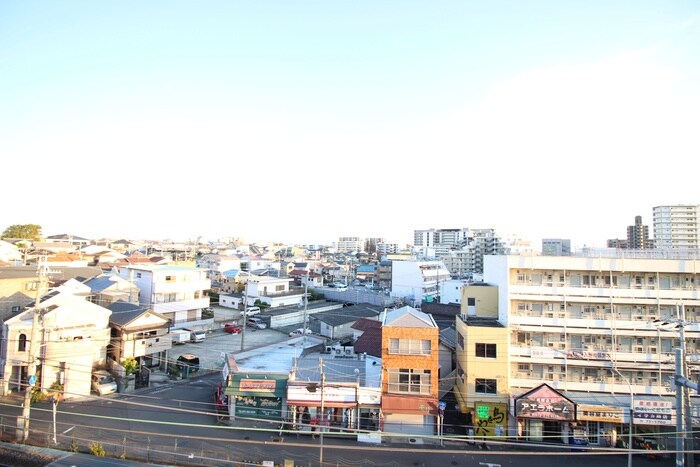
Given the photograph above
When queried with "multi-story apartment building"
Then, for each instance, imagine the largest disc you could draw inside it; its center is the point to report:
(175, 292)
(677, 226)
(588, 328)
(638, 235)
(349, 245)
(387, 248)
(556, 247)
(482, 386)
(620, 243)
(410, 372)
(462, 251)
(448, 238)
(417, 281)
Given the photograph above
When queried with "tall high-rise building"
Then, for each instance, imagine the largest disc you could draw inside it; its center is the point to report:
(677, 226)
(638, 235)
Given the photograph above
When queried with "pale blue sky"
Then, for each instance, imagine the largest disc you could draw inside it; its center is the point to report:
(303, 121)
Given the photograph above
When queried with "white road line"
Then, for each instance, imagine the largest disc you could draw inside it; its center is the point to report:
(69, 429)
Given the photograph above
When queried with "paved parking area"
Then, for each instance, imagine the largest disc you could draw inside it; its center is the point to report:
(213, 350)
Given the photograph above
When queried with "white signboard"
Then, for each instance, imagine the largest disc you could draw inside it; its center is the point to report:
(654, 412)
(330, 394)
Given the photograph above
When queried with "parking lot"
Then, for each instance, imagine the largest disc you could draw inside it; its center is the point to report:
(217, 343)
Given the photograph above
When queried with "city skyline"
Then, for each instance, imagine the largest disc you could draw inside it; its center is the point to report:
(304, 122)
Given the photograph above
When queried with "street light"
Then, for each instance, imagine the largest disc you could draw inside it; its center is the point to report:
(629, 442)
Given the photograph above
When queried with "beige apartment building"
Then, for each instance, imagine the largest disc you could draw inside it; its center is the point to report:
(585, 334)
(482, 388)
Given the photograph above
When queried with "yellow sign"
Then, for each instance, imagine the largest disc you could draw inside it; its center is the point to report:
(599, 413)
(490, 419)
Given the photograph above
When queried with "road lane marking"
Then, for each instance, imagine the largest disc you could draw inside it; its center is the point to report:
(69, 429)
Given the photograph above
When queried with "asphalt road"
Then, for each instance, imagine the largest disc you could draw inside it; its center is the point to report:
(176, 424)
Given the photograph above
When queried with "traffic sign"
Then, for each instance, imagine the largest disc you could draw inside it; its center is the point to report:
(32, 380)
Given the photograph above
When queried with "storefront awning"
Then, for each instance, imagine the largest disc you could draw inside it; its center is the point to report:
(346, 405)
(409, 404)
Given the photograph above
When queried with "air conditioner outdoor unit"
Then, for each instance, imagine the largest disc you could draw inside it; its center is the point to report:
(329, 349)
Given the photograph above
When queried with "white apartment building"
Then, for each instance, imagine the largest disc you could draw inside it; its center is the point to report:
(417, 281)
(387, 248)
(677, 226)
(586, 327)
(450, 238)
(349, 245)
(176, 292)
(461, 250)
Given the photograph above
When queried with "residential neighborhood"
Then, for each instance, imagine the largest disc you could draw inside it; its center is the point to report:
(543, 348)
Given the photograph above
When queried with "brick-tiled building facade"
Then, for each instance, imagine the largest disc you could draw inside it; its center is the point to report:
(410, 350)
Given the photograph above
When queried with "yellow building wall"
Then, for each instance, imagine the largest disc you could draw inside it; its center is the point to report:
(474, 367)
(486, 300)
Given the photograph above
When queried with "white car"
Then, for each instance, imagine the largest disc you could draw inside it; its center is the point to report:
(300, 332)
(103, 382)
(251, 311)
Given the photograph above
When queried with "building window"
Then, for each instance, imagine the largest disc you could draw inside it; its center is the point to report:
(409, 381)
(485, 386)
(169, 278)
(460, 340)
(31, 285)
(22, 343)
(16, 308)
(486, 350)
(410, 346)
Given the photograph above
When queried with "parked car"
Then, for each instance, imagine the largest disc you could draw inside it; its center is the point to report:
(196, 336)
(300, 332)
(251, 311)
(189, 362)
(256, 323)
(233, 328)
(103, 382)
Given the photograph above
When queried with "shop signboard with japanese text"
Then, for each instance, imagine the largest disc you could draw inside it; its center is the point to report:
(545, 403)
(654, 412)
(490, 419)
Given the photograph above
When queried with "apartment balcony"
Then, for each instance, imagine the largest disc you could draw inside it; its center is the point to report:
(181, 286)
(603, 295)
(558, 353)
(148, 346)
(608, 385)
(181, 305)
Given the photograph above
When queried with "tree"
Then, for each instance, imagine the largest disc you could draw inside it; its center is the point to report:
(131, 366)
(26, 231)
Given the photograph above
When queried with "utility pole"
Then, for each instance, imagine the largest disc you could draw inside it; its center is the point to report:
(245, 311)
(323, 409)
(31, 368)
(306, 303)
